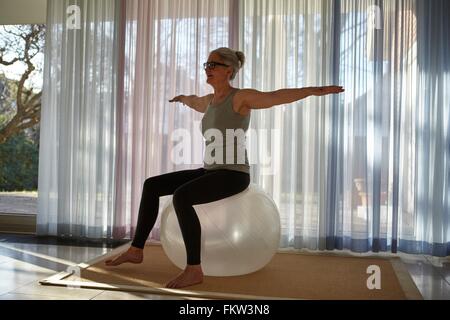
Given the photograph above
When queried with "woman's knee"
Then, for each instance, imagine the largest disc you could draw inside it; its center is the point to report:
(150, 185)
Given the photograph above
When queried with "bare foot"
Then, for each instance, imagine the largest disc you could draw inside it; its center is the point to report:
(193, 274)
(132, 255)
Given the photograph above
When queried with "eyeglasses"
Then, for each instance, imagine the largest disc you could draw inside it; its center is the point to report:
(212, 65)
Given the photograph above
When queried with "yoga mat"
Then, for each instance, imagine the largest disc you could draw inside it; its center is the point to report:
(289, 275)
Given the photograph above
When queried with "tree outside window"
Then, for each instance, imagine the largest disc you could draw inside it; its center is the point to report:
(21, 66)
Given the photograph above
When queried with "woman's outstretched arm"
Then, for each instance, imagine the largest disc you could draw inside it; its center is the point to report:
(254, 99)
(197, 103)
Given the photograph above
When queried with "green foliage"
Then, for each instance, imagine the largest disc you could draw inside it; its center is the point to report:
(3, 120)
(19, 168)
(8, 92)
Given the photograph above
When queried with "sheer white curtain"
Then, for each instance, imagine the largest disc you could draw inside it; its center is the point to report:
(289, 44)
(166, 43)
(367, 170)
(78, 128)
(428, 141)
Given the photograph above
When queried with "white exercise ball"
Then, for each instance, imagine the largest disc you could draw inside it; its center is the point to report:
(240, 234)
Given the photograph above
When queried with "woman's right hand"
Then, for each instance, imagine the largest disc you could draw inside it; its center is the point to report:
(177, 99)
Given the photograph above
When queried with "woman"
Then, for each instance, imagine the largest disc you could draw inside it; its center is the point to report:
(227, 108)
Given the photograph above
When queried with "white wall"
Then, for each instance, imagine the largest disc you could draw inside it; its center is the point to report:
(22, 11)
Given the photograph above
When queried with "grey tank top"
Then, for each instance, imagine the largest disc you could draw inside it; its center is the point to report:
(224, 132)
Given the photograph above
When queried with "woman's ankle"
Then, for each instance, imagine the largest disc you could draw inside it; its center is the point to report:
(194, 267)
(135, 249)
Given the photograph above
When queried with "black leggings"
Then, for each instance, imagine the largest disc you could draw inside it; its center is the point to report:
(189, 187)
